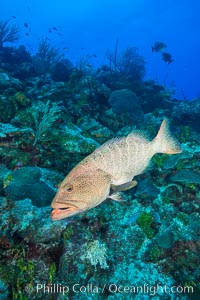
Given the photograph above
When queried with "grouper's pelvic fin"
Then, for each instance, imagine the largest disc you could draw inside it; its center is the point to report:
(164, 142)
(119, 197)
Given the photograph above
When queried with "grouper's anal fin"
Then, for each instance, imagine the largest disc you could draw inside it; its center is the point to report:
(123, 187)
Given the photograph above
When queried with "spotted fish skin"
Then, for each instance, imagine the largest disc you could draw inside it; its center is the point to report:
(126, 157)
(111, 166)
(123, 158)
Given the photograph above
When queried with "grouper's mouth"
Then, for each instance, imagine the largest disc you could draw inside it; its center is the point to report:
(64, 212)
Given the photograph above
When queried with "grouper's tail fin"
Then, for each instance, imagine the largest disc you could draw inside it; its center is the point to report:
(164, 142)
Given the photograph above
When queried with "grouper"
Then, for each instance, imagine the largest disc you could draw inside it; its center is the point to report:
(109, 170)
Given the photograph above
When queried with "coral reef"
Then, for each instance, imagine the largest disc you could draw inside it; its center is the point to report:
(53, 114)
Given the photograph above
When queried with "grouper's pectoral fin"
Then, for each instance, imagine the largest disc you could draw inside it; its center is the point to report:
(116, 189)
(123, 187)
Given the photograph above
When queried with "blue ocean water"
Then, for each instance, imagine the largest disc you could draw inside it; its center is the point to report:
(91, 26)
(125, 222)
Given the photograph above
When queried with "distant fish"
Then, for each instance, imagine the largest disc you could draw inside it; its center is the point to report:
(13, 17)
(167, 57)
(54, 28)
(26, 25)
(158, 47)
(109, 170)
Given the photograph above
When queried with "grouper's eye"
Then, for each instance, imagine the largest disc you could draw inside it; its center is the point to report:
(70, 188)
(67, 188)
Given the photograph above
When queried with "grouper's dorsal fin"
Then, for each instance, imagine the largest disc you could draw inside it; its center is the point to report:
(109, 143)
(139, 134)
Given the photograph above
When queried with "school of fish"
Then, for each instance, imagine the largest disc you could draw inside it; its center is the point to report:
(109, 170)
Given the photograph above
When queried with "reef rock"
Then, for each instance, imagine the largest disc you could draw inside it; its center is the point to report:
(126, 101)
(74, 141)
(28, 182)
(62, 70)
(6, 81)
(146, 190)
(34, 224)
(186, 176)
(188, 113)
(96, 129)
(165, 240)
